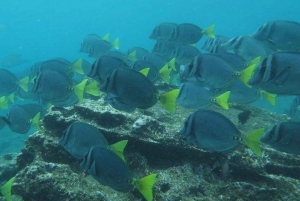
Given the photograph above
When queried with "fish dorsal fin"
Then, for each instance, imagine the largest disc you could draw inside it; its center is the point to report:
(115, 44)
(222, 100)
(210, 31)
(118, 148)
(145, 71)
(92, 88)
(145, 186)
(6, 189)
(252, 140)
(168, 100)
(77, 67)
(92, 169)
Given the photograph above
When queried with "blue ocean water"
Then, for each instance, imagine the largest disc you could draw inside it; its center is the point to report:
(44, 29)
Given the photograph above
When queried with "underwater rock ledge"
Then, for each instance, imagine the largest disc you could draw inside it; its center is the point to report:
(48, 172)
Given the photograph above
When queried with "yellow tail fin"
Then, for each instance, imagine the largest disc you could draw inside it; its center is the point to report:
(252, 140)
(210, 31)
(6, 189)
(77, 66)
(23, 83)
(145, 71)
(79, 89)
(168, 100)
(35, 121)
(106, 37)
(222, 100)
(92, 88)
(115, 44)
(11, 98)
(118, 148)
(3, 102)
(132, 56)
(164, 73)
(246, 74)
(172, 63)
(271, 98)
(255, 61)
(145, 186)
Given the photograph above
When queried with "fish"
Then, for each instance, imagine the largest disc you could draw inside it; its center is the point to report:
(214, 45)
(210, 70)
(165, 48)
(279, 73)
(153, 73)
(55, 86)
(246, 47)
(12, 60)
(163, 31)
(195, 96)
(9, 83)
(213, 131)
(284, 137)
(244, 116)
(183, 54)
(21, 117)
(127, 89)
(109, 170)
(187, 33)
(103, 66)
(102, 47)
(88, 42)
(79, 137)
(136, 53)
(6, 189)
(281, 35)
(293, 111)
(157, 60)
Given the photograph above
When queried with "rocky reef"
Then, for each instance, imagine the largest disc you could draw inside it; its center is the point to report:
(45, 171)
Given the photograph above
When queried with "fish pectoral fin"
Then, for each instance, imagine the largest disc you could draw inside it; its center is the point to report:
(118, 148)
(252, 140)
(6, 189)
(145, 186)
(282, 77)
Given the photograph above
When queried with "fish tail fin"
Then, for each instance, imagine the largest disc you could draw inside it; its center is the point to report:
(132, 56)
(118, 148)
(271, 98)
(252, 140)
(35, 121)
(3, 102)
(6, 189)
(23, 83)
(11, 98)
(106, 37)
(164, 73)
(77, 66)
(222, 100)
(168, 100)
(92, 88)
(145, 71)
(210, 31)
(171, 64)
(145, 186)
(115, 44)
(79, 88)
(246, 74)
(255, 61)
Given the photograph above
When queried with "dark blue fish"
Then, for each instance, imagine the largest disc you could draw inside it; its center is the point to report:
(80, 137)
(165, 48)
(88, 42)
(183, 54)
(102, 47)
(103, 66)
(108, 169)
(9, 83)
(284, 137)
(136, 53)
(294, 110)
(163, 31)
(279, 73)
(213, 131)
(280, 35)
(214, 45)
